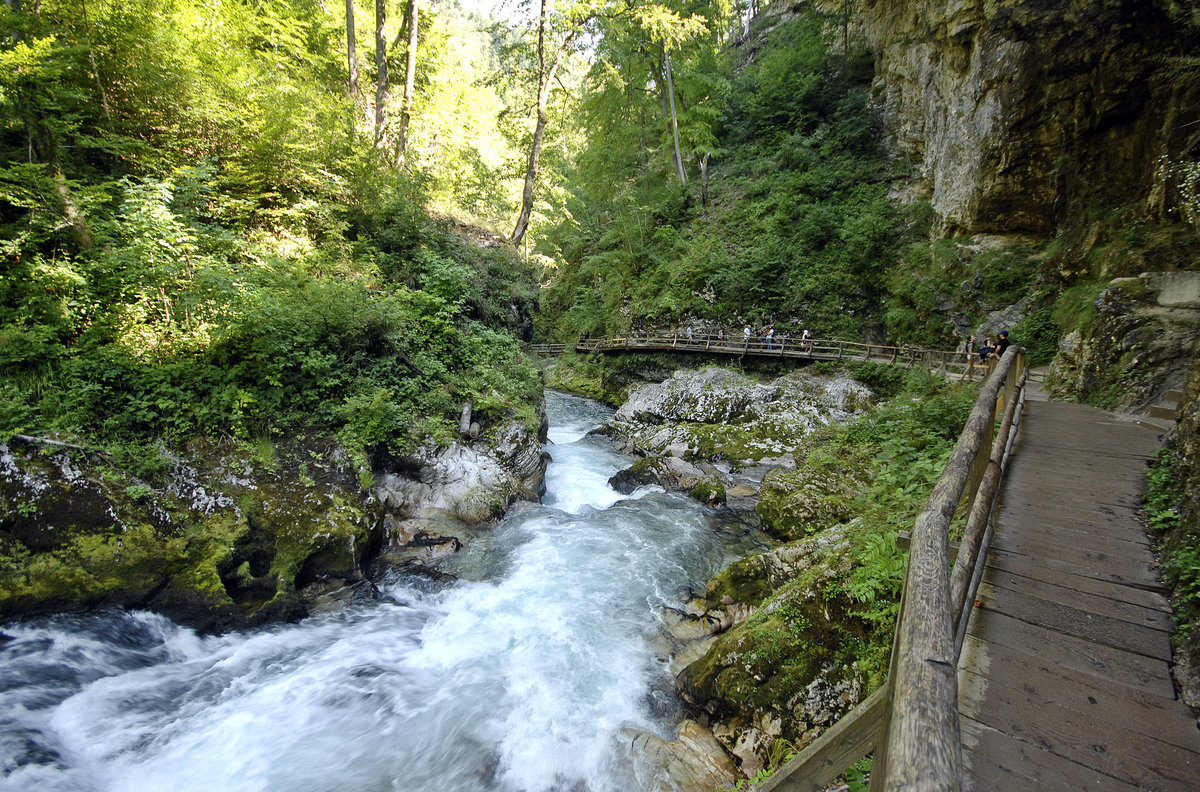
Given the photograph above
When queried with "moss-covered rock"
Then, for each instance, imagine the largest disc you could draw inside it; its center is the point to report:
(710, 491)
(819, 493)
(792, 667)
(224, 540)
(1136, 346)
(717, 414)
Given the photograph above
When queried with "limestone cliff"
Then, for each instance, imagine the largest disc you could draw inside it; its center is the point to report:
(1015, 110)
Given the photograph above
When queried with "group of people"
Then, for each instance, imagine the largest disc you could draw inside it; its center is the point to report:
(767, 340)
(977, 354)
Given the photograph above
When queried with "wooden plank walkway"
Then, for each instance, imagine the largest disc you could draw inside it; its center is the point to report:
(1064, 681)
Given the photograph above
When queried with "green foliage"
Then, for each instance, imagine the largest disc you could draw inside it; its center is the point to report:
(1038, 333)
(910, 437)
(798, 229)
(953, 272)
(1179, 549)
(1076, 308)
(858, 777)
(1163, 493)
(194, 240)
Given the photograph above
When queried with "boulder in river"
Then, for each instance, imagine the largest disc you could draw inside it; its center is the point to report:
(695, 762)
(719, 424)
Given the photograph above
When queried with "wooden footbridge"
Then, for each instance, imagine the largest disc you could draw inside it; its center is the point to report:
(948, 362)
(1033, 654)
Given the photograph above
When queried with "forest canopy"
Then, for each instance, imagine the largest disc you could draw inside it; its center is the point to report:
(227, 217)
(201, 233)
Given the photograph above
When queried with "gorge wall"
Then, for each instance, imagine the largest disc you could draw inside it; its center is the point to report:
(1014, 110)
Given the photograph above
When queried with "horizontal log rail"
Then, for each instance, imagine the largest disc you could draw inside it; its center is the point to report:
(911, 722)
(948, 362)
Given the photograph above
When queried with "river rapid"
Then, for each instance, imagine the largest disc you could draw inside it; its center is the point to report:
(521, 675)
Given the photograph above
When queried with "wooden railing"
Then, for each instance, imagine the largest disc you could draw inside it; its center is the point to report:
(943, 361)
(911, 723)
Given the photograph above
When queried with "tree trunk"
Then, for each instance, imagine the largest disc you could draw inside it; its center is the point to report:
(410, 81)
(87, 27)
(381, 75)
(43, 148)
(351, 51)
(674, 121)
(545, 81)
(531, 171)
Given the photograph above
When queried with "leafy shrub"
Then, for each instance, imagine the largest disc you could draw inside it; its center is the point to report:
(1038, 333)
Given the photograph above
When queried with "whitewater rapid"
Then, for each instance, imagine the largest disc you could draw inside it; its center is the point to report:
(519, 676)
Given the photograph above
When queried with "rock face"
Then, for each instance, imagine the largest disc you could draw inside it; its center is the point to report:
(1012, 108)
(1138, 346)
(228, 537)
(1186, 446)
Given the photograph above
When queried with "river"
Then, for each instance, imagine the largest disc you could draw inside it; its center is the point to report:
(518, 676)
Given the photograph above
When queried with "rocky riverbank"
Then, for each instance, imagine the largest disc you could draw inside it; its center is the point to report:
(767, 656)
(225, 536)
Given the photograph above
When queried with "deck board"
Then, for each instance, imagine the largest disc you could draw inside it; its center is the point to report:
(1064, 681)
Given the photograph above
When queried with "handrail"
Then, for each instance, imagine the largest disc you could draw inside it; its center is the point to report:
(911, 722)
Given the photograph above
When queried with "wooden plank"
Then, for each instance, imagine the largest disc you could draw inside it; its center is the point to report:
(1151, 618)
(1056, 689)
(1078, 467)
(1007, 563)
(1016, 498)
(1103, 630)
(1017, 529)
(1024, 521)
(1076, 567)
(1012, 521)
(1086, 499)
(1106, 561)
(1069, 651)
(1122, 753)
(994, 761)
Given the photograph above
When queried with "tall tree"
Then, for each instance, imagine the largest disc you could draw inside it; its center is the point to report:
(553, 43)
(558, 32)
(351, 51)
(381, 80)
(674, 118)
(410, 80)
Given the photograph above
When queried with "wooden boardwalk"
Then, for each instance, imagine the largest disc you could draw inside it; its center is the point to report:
(1064, 681)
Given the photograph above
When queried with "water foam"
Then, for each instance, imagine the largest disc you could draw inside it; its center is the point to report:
(520, 681)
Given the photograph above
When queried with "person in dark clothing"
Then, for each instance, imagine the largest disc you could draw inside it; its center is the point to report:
(1002, 343)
